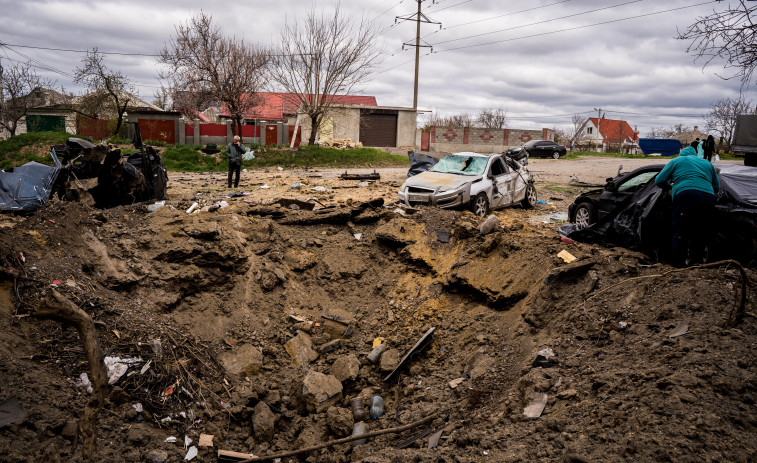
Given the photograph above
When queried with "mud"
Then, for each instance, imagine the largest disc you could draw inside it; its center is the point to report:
(265, 321)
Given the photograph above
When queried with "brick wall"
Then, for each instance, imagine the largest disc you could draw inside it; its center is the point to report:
(454, 139)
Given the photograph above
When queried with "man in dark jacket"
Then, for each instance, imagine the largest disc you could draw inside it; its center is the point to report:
(235, 151)
(694, 183)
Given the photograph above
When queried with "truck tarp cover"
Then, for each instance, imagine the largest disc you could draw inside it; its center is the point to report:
(745, 132)
(27, 187)
(643, 223)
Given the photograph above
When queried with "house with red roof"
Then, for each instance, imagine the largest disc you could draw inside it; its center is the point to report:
(608, 132)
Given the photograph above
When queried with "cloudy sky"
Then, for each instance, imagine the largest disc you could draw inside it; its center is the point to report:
(541, 60)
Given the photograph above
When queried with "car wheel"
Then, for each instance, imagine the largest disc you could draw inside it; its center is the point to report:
(586, 214)
(480, 205)
(530, 200)
(556, 155)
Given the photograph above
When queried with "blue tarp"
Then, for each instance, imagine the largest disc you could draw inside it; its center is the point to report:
(663, 146)
(27, 187)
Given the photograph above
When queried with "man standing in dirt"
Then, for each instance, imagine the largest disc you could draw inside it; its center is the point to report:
(694, 181)
(235, 151)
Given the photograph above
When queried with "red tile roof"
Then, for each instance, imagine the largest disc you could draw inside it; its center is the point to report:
(275, 106)
(615, 131)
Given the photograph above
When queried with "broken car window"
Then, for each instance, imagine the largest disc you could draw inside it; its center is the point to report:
(461, 165)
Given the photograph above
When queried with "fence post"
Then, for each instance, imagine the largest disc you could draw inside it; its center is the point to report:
(229, 132)
(182, 133)
(196, 132)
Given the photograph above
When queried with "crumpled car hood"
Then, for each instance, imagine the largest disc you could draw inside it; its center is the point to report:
(435, 179)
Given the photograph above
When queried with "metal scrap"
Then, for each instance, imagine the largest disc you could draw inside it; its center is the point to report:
(422, 343)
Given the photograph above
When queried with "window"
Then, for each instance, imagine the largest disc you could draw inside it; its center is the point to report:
(589, 130)
(634, 182)
(497, 167)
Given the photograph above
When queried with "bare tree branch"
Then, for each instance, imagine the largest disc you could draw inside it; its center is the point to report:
(729, 35)
(17, 94)
(323, 57)
(722, 116)
(492, 118)
(108, 92)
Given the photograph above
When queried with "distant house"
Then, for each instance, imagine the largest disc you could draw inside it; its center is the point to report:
(687, 137)
(354, 117)
(605, 133)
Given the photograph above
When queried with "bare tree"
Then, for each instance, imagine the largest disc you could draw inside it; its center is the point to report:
(668, 132)
(322, 57)
(492, 118)
(18, 85)
(453, 120)
(162, 98)
(204, 67)
(108, 92)
(722, 115)
(729, 35)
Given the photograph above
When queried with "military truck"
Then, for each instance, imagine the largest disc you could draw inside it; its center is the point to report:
(745, 139)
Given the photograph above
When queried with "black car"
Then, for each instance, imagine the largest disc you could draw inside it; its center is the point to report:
(537, 148)
(634, 212)
(593, 205)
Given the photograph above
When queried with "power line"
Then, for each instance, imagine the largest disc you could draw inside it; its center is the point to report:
(571, 28)
(504, 15)
(387, 11)
(541, 22)
(77, 51)
(448, 7)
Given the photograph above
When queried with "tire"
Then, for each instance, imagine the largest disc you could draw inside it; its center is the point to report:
(480, 205)
(586, 214)
(556, 155)
(530, 200)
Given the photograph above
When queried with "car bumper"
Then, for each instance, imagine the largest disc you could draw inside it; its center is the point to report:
(446, 200)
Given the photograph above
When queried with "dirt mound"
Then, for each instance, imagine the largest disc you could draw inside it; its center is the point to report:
(253, 323)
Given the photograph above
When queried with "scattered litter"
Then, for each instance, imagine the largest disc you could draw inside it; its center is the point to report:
(156, 206)
(228, 456)
(244, 171)
(623, 325)
(320, 189)
(358, 236)
(536, 407)
(84, 382)
(191, 453)
(541, 202)
(433, 440)
(117, 367)
(192, 208)
(206, 440)
(414, 438)
(223, 204)
(248, 156)
(360, 428)
(279, 168)
(264, 186)
(358, 411)
(545, 358)
(372, 176)
(23, 259)
(296, 185)
(455, 382)
(422, 343)
(362, 184)
(377, 342)
(56, 283)
(488, 225)
(187, 441)
(442, 236)
(566, 240)
(170, 439)
(146, 367)
(11, 411)
(375, 354)
(559, 217)
(679, 330)
(566, 256)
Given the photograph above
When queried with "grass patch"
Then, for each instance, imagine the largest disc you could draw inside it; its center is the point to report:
(186, 158)
(28, 147)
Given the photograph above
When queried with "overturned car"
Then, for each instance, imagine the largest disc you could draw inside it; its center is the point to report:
(479, 182)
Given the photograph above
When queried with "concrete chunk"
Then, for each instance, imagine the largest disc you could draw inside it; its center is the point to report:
(321, 391)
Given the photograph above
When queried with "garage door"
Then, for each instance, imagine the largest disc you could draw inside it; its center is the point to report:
(378, 129)
(45, 123)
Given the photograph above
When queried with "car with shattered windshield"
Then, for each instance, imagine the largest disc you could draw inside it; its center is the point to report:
(479, 182)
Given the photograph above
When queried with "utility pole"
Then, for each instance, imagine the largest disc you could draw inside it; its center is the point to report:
(419, 18)
(599, 122)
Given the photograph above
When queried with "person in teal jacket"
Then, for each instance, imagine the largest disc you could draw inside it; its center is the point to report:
(694, 181)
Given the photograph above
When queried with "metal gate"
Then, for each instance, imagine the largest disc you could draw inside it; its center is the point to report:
(378, 127)
(271, 135)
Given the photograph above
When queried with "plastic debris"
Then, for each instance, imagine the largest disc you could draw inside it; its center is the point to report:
(56, 283)
(377, 341)
(321, 189)
(358, 236)
(296, 185)
(362, 184)
(187, 441)
(84, 382)
(206, 440)
(455, 382)
(192, 208)
(156, 206)
(375, 354)
(433, 440)
(536, 407)
(377, 407)
(191, 453)
(146, 367)
(170, 439)
(358, 411)
(137, 407)
(279, 168)
(566, 256)
(117, 367)
(679, 330)
(359, 429)
(23, 259)
(488, 225)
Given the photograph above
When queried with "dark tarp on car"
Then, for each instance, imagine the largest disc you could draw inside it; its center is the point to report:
(27, 187)
(643, 223)
(419, 163)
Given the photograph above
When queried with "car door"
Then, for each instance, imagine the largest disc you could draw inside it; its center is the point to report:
(622, 189)
(517, 180)
(501, 193)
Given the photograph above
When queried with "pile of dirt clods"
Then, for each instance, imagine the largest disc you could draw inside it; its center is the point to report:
(246, 329)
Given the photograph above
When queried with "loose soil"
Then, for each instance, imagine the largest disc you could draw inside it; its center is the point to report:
(234, 310)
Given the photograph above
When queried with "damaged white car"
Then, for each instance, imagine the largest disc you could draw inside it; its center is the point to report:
(480, 182)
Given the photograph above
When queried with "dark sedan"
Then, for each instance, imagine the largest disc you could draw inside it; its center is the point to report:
(537, 148)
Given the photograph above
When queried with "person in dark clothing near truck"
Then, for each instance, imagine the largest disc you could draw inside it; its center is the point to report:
(235, 151)
(708, 146)
(694, 182)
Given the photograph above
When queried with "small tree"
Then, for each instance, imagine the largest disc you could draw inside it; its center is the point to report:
(17, 86)
(721, 118)
(321, 58)
(108, 92)
(492, 118)
(204, 67)
(728, 35)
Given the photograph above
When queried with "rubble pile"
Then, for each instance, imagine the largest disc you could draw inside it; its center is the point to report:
(260, 329)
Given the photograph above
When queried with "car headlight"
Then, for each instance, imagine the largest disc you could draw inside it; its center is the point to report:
(445, 188)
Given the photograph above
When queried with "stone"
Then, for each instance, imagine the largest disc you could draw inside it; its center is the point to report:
(156, 456)
(321, 391)
(389, 360)
(339, 421)
(300, 348)
(70, 429)
(136, 434)
(567, 394)
(330, 346)
(243, 360)
(346, 367)
(545, 358)
(263, 422)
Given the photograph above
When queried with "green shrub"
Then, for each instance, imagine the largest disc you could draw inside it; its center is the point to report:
(11, 149)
